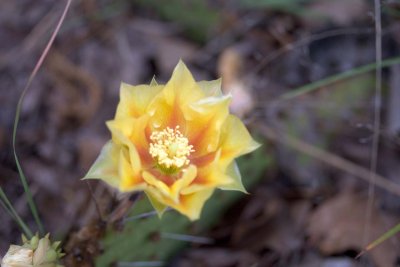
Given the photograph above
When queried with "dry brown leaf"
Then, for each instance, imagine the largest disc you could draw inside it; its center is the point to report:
(338, 226)
(269, 222)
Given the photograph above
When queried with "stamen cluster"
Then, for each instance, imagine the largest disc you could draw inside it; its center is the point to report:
(170, 148)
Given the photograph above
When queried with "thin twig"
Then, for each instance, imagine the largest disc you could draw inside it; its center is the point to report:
(188, 238)
(330, 159)
(377, 118)
(141, 264)
(144, 215)
(96, 203)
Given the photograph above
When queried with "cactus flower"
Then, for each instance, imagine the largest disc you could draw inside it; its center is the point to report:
(176, 142)
(33, 253)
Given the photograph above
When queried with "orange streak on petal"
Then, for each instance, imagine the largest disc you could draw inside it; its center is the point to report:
(203, 160)
(145, 157)
(167, 179)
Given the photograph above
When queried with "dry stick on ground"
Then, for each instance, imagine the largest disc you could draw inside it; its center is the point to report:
(330, 159)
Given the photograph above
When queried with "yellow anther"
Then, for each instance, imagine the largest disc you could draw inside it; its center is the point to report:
(170, 148)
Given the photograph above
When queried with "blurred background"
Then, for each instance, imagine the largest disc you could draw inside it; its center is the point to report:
(283, 62)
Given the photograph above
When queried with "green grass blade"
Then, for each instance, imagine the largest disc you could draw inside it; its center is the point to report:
(380, 239)
(383, 237)
(22, 176)
(338, 77)
(13, 213)
(3, 204)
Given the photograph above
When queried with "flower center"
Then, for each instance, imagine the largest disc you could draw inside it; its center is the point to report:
(170, 149)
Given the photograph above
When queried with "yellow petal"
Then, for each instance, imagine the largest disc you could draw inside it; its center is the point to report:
(168, 107)
(189, 174)
(211, 88)
(130, 180)
(209, 176)
(121, 131)
(157, 184)
(134, 100)
(121, 127)
(163, 115)
(234, 173)
(106, 165)
(235, 140)
(182, 86)
(191, 205)
(204, 122)
(132, 131)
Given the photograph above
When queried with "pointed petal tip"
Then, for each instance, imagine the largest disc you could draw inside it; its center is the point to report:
(181, 68)
(90, 175)
(192, 215)
(153, 81)
(255, 145)
(160, 213)
(235, 187)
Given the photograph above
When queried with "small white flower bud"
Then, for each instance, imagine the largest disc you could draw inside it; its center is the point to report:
(18, 256)
(33, 253)
(40, 253)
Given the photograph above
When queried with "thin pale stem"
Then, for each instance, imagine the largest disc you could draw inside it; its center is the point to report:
(187, 238)
(141, 264)
(377, 118)
(22, 176)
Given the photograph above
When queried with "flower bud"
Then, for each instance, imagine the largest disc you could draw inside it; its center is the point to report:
(33, 253)
(51, 255)
(18, 256)
(34, 242)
